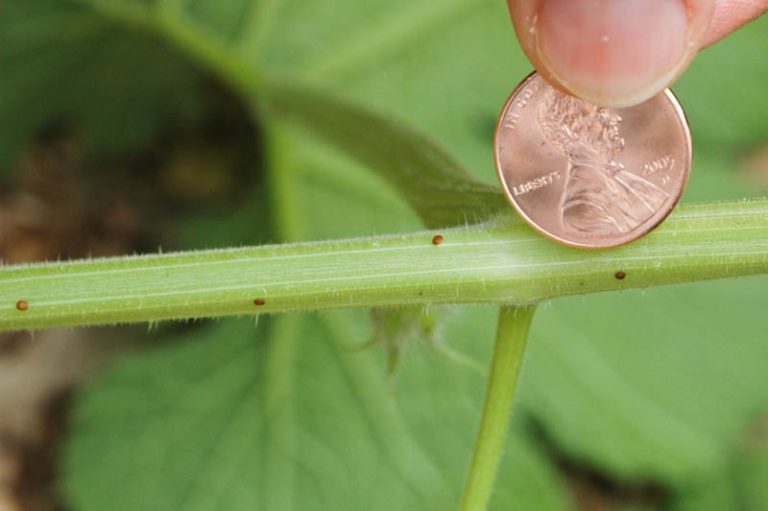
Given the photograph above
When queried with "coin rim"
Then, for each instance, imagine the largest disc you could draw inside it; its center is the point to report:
(571, 243)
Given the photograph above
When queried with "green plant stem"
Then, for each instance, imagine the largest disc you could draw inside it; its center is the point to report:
(496, 262)
(511, 339)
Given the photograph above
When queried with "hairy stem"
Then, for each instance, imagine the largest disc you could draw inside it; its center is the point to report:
(511, 339)
(497, 262)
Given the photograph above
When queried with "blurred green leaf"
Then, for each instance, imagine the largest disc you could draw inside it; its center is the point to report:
(738, 485)
(724, 93)
(716, 493)
(289, 415)
(434, 185)
(445, 66)
(651, 385)
(219, 36)
(106, 82)
(323, 176)
(752, 475)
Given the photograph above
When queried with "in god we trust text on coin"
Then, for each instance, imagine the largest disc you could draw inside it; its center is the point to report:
(590, 176)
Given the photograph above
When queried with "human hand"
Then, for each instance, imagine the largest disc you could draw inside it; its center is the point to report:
(621, 52)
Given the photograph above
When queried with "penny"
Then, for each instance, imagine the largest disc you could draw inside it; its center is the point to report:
(589, 176)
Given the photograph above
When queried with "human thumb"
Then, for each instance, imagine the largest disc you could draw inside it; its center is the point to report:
(611, 52)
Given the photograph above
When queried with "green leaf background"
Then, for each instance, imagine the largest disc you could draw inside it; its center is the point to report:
(380, 113)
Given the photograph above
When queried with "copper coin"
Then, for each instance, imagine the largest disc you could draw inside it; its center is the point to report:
(586, 175)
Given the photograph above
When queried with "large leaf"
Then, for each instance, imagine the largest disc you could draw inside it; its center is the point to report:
(651, 385)
(290, 415)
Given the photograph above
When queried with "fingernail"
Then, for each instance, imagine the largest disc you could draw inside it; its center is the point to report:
(612, 52)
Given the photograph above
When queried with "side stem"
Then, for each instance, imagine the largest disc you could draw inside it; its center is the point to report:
(511, 340)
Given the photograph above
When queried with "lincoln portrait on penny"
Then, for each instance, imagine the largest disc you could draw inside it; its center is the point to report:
(600, 197)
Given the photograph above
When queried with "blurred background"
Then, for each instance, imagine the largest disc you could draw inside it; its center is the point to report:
(130, 126)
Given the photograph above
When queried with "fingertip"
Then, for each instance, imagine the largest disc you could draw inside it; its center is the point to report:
(611, 52)
(729, 15)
